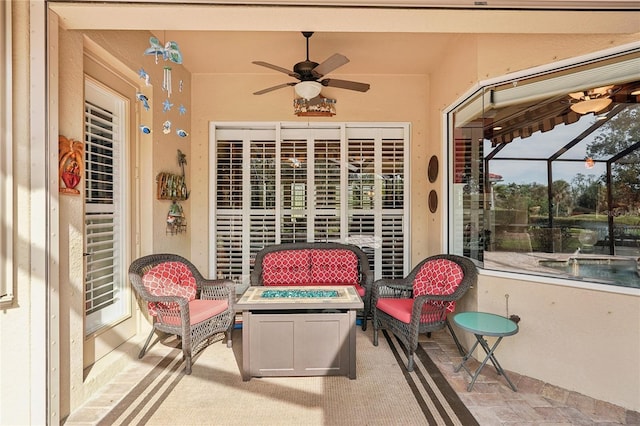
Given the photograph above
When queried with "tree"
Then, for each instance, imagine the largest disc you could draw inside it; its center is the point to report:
(561, 191)
(585, 191)
(617, 135)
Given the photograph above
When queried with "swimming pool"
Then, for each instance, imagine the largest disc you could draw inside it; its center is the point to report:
(621, 272)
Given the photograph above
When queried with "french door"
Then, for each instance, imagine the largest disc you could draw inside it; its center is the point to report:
(107, 296)
(278, 183)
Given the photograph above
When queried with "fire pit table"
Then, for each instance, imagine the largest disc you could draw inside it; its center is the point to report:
(294, 331)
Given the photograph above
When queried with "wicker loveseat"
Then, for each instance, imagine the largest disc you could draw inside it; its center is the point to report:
(315, 264)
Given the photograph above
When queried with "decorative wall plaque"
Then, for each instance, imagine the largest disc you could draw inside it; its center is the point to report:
(70, 164)
(432, 170)
(433, 201)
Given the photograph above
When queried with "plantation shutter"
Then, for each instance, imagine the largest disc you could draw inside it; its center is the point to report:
(275, 183)
(104, 301)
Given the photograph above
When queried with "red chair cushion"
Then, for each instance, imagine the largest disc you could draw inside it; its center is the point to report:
(438, 277)
(200, 310)
(288, 267)
(334, 267)
(400, 309)
(169, 279)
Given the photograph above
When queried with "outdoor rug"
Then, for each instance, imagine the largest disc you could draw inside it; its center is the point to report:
(439, 402)
(155, 391)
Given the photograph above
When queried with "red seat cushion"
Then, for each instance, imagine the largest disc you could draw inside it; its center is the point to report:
(438, 277)
(200, 310)
(400, 309)
(334, 267)
(169, 279)
(287, 267)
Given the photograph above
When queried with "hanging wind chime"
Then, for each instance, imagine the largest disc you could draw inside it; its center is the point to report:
(168, 52)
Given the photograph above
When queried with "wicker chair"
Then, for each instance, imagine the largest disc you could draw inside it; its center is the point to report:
(182, 302)
(420, 302)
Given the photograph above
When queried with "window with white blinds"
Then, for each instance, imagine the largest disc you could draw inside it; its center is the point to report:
(105, 299)
(277, 183)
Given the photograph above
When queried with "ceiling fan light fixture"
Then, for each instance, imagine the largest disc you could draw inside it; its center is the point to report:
(591, 105)
(316, 107)
(308, 89)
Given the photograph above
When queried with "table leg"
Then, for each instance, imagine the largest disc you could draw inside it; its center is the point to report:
(465, 359)
(490, 356)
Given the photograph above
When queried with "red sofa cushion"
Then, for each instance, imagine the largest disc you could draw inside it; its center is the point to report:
(438, 276)
(169, 279)
(334, 267)
(287, 267)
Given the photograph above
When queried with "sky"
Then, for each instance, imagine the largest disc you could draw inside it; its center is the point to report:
(541, 146)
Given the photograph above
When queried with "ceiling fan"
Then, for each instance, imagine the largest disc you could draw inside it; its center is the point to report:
(592, 100)
(311, 75)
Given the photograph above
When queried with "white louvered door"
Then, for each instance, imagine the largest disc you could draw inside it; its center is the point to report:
(278, 183)
(107, 296)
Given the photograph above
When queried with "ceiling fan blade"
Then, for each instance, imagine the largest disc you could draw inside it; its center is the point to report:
(277, 68)
(333, 62)
(345, 84)
(271, 89)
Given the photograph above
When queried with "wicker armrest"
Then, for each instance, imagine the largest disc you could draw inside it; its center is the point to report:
(218, 290)
(421, 300)
(393, 288)
(181, 301)
(392, 283)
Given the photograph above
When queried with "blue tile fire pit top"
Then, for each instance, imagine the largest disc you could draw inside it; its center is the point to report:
(318, 294)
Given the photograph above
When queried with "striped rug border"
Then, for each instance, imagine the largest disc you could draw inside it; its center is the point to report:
(435, 396)
(139, 404)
